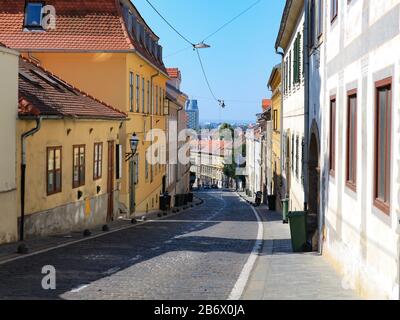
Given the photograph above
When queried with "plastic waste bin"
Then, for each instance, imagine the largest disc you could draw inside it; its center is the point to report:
(298, 226)
(285, 210)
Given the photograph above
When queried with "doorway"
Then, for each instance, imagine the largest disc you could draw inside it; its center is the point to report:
(110, 181)
(314, 193)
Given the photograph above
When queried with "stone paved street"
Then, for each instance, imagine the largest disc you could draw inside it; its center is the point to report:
(198, 254)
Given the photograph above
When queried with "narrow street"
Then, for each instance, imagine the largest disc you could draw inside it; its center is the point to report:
(198, 254)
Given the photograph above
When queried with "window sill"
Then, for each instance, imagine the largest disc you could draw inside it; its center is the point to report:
(382, 206)
(351, 186)
(54, 193)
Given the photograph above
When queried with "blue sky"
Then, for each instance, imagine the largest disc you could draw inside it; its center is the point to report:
(241, 57)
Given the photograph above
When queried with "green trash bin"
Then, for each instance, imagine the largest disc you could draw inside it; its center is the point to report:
(285, 210)
(298, 230)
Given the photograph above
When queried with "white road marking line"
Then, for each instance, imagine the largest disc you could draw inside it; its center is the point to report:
(240, 285)
(80, 288)
(135, 258)
(111, 271)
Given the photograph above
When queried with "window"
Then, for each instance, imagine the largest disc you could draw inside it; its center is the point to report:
(54, 173)
(276, 120)
(98, 160)
(131, 98)
(118, 158)
(332, 136)
(78, 179)
(297, 157)
(383, 141)
(137, 93)
(33, 15)
(146, 163)
(143, 96)
(136, 163)
(156, 100)
(312, 23)
(292, 153)
(320, 20)
(334, 10)
(148, 96)
(351, 161)
(160, 104)
(290, 70)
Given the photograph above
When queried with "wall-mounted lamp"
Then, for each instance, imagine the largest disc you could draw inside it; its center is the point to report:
(133, 143)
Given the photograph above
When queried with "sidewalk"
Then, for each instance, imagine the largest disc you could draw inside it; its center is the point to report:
(8, 252)
(280, 274)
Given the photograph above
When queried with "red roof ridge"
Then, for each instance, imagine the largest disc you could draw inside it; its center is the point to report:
(73, 87)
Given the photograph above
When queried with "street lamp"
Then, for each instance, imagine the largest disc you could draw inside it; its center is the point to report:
(201, 45)
(133, 142)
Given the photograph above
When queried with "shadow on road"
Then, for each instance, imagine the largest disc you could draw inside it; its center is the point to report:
(196, 230)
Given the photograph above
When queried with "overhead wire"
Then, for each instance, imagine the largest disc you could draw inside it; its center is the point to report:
(169, 24)
(192, 45)
(232, 20)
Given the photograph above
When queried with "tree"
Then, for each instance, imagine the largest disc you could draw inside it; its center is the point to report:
(230, 168)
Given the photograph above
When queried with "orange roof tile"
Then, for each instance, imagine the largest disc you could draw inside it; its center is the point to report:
(266, 103)
(42, 93)
(90, 25)
(174, 73)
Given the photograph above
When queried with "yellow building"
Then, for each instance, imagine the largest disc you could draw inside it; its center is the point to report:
(105, 48)
(274, 85)
(8, 103)
(67, 142)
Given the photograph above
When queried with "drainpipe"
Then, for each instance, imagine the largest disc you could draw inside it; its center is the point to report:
(23, 173)
(306, 102)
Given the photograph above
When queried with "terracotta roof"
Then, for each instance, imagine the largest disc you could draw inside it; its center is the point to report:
(42, 93)
(266, 103)
(174, 73)
(214, 147)
(90, 25)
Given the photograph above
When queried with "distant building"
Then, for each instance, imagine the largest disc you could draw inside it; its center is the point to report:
(192, 111)
(207, 157)
(178, 174)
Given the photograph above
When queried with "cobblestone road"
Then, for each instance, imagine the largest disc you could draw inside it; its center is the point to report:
(198, 254)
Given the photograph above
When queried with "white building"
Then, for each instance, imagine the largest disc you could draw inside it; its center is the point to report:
(9, 109)
(208, 162)
(254, 179)
(178, 173)
(359, 145)
(290, 43)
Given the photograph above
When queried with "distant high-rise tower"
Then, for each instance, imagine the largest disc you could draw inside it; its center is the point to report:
(192, 111)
